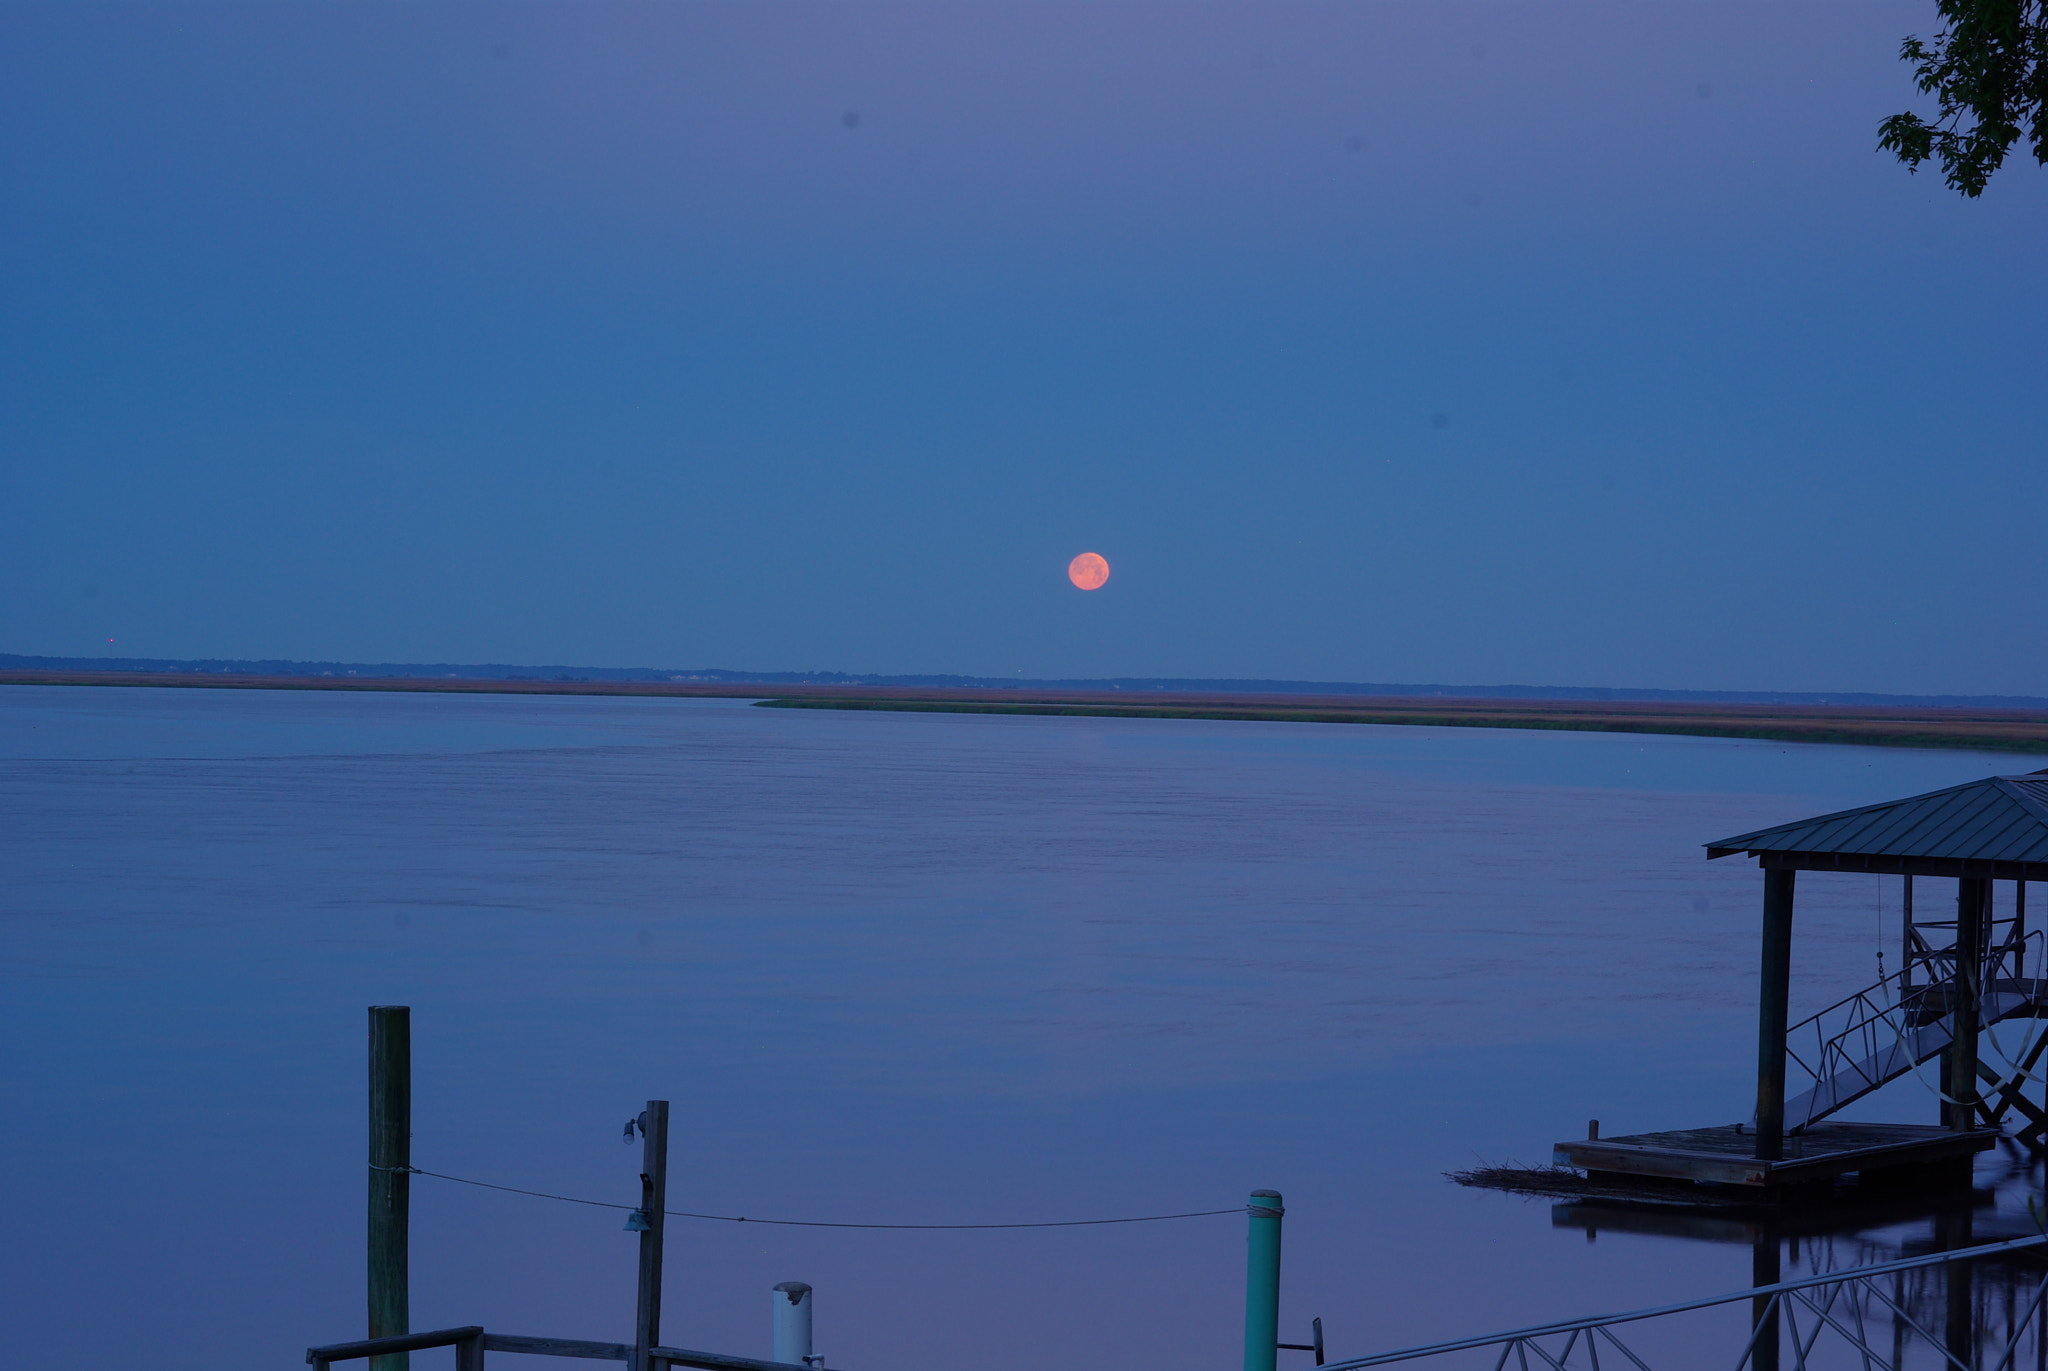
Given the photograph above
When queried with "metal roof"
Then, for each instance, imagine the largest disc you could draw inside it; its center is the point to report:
(1994, 827)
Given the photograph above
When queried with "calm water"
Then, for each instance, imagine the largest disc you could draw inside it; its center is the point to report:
(897, 968)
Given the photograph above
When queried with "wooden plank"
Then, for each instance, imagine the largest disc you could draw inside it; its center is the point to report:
(558, 1347)
(377, 1347)
(1958, 1144)
(719, 1361)
(1812, 1141)
(1729, 1167)
(1668, 1163)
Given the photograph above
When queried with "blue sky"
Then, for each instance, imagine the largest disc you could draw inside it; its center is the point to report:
(1586, 344)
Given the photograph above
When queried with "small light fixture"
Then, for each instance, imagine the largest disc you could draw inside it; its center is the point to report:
(636, 1222)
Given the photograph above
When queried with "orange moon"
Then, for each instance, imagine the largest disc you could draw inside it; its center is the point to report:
(1090, 571)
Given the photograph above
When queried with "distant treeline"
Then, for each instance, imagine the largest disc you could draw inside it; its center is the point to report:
(498, 671)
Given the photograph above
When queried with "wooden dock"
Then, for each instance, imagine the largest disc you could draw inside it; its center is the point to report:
(1725, 1154)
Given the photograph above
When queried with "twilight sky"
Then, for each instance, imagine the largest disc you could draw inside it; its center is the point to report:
(1587, 344)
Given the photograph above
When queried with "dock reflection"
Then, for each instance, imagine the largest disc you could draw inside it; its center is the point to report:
(1986, 1314)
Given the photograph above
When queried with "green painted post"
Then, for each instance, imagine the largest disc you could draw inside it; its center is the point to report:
(390, 1181)
(1262, 1283)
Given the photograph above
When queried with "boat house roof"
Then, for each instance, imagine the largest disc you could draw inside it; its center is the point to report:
(1996, 827)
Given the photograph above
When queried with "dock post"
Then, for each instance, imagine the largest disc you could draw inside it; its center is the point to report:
(792, 1323)
(653, 1200)
(390, 1179)
(1774, 995)
(1906, 940)
(1972, 897)
(1262, 1282)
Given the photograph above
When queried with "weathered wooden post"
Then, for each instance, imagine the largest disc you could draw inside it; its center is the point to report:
(792, 1301)
(1906, 940)
(390, 1181)
(1972, 899)
(1774, 996)
(1262, 1282)
(653, 1200)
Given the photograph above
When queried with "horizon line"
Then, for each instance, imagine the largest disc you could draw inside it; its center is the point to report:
(1227, 685)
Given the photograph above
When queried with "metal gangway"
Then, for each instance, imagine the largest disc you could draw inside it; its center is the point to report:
(1907, 1019)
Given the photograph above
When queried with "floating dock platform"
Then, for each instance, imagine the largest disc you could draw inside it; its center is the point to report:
(1934, 1006)
(1725, 1155)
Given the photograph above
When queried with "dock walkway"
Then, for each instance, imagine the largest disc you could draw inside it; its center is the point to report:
(1723, 1154)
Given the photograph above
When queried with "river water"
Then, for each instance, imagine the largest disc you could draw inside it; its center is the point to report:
(890, 968)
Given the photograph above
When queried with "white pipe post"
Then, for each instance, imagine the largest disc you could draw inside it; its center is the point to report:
(793, 1324)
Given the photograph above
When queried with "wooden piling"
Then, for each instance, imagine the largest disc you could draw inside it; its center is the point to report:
(1906, 939)
(1973, 900)
(390, 1182)
(653, 1200)
(1774, 995)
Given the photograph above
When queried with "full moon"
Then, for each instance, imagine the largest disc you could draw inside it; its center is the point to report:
(1089, 571)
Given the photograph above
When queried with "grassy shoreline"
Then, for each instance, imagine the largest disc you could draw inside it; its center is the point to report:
(1900, 733)
(1990, 730)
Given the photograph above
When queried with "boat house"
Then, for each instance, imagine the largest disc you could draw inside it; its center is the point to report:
(1962, 969)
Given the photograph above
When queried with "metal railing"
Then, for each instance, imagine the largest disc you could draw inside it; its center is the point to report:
(1833, 1318)
(1885, 1030)
(471, 1342)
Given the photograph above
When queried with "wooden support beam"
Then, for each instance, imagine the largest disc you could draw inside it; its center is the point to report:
(1877, 864)
(2009, 1097)
(653, 1200)
(717, 1361)
(558, 1347)
(1972, 902)
(390, 1179)
(1774, 993)
(410, 1342)
(2009, 1090)
(1906, 939)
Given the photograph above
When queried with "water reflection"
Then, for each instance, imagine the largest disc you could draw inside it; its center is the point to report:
(1985, 1315)
(933, 967)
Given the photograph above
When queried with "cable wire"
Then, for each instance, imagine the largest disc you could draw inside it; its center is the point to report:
(807, 1223)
